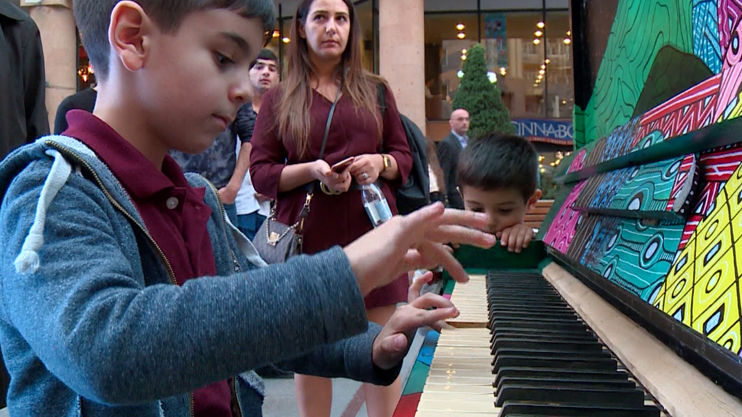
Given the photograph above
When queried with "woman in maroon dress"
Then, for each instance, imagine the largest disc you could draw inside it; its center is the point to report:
(324, 57)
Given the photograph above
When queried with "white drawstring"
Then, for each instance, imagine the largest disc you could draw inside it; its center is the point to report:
(28, 260)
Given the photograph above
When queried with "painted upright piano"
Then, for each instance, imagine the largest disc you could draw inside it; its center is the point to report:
(631, 303)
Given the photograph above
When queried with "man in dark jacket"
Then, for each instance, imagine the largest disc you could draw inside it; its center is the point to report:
(448, 155)
(23, 116)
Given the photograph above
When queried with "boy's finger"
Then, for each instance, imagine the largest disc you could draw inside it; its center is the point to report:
(431, 300)
(417, 285)
(505, 238)
(461, 235)
(465, 218)
(419, 219)
(435, 252)
(529, 237)
(431, 317)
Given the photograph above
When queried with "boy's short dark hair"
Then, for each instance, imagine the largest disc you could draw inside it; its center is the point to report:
(93, 18)
(497, 162)
(265, 55)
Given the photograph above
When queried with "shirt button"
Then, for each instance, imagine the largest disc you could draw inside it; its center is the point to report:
(172, 203)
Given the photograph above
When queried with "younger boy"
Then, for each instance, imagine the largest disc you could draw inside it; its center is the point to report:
(124, 290)
(498, 175)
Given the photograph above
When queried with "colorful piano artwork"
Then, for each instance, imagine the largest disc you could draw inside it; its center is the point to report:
(650, 211)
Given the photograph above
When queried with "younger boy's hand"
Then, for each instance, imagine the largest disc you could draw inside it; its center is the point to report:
(516, 238)
(391, 345)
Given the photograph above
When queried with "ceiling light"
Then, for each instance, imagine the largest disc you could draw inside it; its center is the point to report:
(543, 66)
(461, 35)
(538, 33)
(276, 34)
(463, 57)
(463, 51)
(460, 74)
(547, 61)
(569, 33)
(460, 26)
(540, 25)
(286, 39)
(567, 41)
(536, 41)
(542, 72)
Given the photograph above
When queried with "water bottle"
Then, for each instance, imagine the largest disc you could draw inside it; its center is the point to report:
(375, 204)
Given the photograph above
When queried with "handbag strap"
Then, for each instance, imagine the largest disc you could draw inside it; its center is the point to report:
(310, 192)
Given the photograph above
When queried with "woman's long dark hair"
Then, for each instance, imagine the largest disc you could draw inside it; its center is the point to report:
(295, 98)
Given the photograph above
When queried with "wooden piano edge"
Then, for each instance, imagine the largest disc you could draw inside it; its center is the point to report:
(679, 387)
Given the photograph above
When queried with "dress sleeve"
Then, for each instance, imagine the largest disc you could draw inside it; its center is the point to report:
(395, 139)
(268, 156)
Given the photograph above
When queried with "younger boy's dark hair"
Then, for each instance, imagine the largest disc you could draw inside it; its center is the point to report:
(93, 18)
(265, 55)
(497, 162)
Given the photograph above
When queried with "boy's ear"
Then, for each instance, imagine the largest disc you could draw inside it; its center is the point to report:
(531, 203)
(302, 31)
(129, 34)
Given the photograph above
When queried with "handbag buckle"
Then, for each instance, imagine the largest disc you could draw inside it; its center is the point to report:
(274, 238)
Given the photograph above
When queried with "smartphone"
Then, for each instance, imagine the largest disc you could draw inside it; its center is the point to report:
(342, 165)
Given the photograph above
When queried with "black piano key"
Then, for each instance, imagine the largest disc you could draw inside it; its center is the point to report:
(513, 409)
(536, 352)
(568, 363)
(617, 397)
(552, 345)
(566, 382)
(525, 322)
(534, 316)
(545, 334)
(544, 372)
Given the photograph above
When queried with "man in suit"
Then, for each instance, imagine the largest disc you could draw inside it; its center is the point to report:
(23, 116)
(448, 155)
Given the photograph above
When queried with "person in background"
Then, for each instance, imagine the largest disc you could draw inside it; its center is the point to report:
(448, 155)
(435, 173)
(252, 207)
(498, 175)
(23, 116)
(83, 100)
(325, 65)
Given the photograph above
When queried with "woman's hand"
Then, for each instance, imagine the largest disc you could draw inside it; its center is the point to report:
(334, 181)
(367, 168)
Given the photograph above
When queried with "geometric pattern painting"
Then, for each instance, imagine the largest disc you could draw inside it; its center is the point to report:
(702, 289)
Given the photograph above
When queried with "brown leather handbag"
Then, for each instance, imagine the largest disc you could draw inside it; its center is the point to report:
(277, 242)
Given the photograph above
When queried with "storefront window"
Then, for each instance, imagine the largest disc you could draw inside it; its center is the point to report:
(526, 53)
(365, 12)
(447, 38)
(559, 71)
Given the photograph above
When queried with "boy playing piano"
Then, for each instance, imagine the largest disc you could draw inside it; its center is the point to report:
(498, 175)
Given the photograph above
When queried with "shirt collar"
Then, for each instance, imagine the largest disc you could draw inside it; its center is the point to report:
(136, 173)
(12, 11)
(462, 139)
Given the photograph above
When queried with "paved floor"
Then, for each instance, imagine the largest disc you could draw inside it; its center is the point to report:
(347, 400)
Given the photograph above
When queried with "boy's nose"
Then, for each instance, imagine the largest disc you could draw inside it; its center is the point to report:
(240, 93)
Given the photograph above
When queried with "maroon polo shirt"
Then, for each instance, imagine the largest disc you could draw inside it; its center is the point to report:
(173, 212)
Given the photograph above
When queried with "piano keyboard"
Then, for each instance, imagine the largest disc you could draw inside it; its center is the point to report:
(522, 351)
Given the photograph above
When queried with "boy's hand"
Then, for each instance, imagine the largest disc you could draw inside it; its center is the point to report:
(516, 238)
(415, 241)
(413, 293)
(391, 345)
(228, 194)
